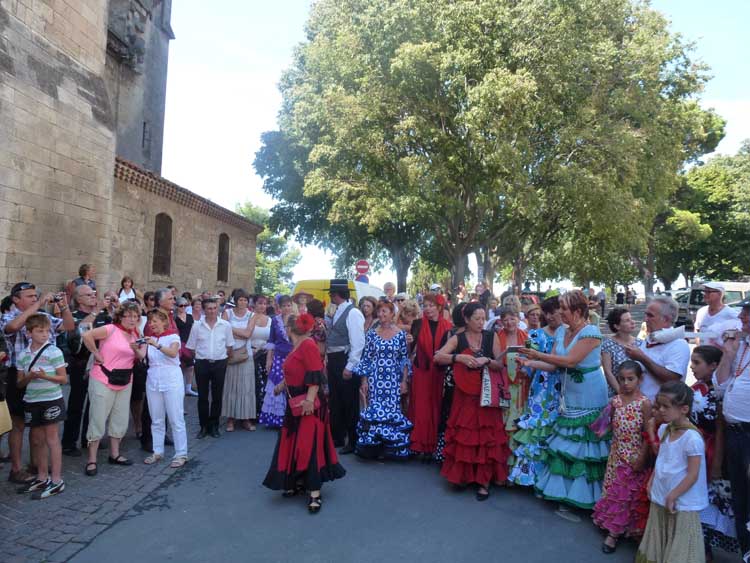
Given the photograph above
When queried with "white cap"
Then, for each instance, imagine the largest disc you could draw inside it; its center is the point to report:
(435, 287)
(401, 296)
(718, 286)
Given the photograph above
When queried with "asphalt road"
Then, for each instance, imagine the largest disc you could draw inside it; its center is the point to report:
(217, 510)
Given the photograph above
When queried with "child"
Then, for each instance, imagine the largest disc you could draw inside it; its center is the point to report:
(718, 519)
(678, 487)
(41, 369)
(622, 510)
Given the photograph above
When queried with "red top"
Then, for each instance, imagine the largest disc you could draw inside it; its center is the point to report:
(303, 359)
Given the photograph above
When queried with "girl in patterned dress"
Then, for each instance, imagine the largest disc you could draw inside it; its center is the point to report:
(623, 510)
(717, 520)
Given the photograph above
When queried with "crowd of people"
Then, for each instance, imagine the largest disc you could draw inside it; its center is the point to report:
(498, 393)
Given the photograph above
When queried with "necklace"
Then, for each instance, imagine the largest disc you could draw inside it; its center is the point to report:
(472, 346)
(740, 366)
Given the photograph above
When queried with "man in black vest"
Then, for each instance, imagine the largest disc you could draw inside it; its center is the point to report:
(344, 344)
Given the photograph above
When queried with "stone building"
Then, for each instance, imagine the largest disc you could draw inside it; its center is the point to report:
(64, 200)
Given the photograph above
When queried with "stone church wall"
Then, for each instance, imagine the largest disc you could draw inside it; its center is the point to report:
(57, 139)
(197, 224)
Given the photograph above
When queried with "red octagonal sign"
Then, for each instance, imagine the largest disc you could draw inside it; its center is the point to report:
(363, 266)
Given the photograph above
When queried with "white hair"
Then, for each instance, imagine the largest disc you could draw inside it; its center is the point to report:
(668, 307)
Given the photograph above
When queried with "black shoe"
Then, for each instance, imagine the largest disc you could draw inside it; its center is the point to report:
(347, 450)
(72, 452)
(481, 497)
(215, 432)
(609, 548)
(34, 486)
(119, 460)
(202, 433)
(314, 504)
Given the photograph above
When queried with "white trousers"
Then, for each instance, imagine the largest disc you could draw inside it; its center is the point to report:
(166, 396)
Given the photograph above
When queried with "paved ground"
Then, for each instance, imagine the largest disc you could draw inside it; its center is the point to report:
(218, 511)
(215, 509)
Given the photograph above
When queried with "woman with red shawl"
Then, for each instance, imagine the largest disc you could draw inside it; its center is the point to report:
(476, 445)
(305, 456)
(427, 380)
(510, 335)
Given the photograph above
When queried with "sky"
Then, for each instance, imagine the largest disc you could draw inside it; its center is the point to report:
(226, 62)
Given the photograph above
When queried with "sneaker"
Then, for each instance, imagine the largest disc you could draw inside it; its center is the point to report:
(34, 486)
(189, 392)
(50, 490)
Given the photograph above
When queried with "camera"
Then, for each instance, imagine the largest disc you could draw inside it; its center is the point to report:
(58, 297)
(141, 341)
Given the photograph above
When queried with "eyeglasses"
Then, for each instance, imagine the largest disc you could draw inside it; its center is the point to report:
(182, 305)
(400, 300)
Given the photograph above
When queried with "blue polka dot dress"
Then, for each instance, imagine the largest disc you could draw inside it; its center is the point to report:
(383, 430)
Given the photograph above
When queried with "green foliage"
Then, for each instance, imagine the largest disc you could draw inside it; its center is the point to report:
(550, 133)
(274, 258)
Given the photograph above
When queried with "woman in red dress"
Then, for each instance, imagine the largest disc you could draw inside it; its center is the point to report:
(427, 380)
(305, 456)
(476, 445)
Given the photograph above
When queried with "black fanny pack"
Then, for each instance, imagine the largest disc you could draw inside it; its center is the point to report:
(118, 376)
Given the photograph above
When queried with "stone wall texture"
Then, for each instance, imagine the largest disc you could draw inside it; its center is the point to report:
(57, 140)
(197, 224)
(64, 199)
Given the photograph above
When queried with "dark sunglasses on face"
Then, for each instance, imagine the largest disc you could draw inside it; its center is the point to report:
(400, 300)
(182, 305)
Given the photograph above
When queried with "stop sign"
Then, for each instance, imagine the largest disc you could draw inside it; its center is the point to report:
(362, 266)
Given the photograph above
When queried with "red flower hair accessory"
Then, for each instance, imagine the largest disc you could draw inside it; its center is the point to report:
(440, 300)
(304, 323)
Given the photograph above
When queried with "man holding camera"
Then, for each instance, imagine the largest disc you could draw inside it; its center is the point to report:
(26, 302)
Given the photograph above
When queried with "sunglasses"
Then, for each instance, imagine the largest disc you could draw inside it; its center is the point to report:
(400, 300)
(23, 287)
(182, 305)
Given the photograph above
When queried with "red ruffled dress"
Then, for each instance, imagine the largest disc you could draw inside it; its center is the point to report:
(476, 444)
(304, 452)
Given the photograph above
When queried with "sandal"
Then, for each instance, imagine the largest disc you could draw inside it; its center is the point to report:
(153, 458)
(230, 427)
(92, 468)
(315, 503)
(119, 460)
(606, 548)
(178, 462)
(482, 496)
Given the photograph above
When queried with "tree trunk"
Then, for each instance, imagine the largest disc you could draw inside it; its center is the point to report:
(401, 262)
(518, 273)
(458, 272)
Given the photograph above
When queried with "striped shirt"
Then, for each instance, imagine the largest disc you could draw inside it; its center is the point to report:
(39, 390)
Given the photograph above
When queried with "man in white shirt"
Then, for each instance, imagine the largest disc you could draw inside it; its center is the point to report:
(662, 362)
(212, 340)
(344, 344)
(733, 376)
(714, 316)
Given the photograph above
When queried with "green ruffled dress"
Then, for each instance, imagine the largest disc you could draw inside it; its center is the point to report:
(576, 457)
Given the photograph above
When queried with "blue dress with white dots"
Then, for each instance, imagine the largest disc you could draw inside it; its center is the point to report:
(383, 430)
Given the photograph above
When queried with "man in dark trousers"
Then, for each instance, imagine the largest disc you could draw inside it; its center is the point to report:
(344, 345)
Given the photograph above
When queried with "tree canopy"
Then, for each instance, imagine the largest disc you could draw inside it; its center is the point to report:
(540, 134)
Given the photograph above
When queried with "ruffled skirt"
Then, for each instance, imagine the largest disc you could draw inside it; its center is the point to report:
(476, 445)
(671, 538)
(274, 406)
(382, 430)
(576, 462)
(304, 453)
(623, 508)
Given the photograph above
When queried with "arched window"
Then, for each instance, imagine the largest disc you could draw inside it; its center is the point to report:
(162, 265)
(222, 270)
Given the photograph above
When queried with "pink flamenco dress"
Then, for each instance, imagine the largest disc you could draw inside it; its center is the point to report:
(623, 508)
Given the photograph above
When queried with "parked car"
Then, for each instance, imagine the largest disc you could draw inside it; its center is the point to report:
(691, 301)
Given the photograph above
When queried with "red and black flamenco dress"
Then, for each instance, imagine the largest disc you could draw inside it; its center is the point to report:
(476, 444)
(304, 453)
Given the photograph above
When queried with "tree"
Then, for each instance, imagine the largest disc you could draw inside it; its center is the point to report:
(469, 124)
(274, 258)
